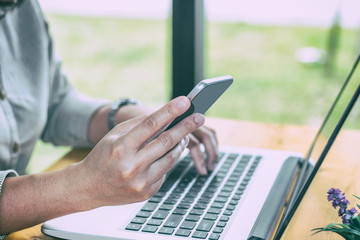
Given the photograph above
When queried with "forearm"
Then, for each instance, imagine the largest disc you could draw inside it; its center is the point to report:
(29, 200)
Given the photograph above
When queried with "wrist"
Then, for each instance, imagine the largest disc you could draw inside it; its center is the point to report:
(120, 103)
(80, 188)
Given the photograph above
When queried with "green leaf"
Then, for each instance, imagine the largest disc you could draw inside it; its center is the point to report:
(356, 197)
(355, 222)
(343, 230)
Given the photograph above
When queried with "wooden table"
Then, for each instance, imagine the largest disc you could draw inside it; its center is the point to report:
(341, 169)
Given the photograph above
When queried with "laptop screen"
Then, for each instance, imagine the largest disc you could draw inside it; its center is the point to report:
(336, 113)
(326, 136)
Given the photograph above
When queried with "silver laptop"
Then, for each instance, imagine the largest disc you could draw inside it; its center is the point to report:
(241, 199)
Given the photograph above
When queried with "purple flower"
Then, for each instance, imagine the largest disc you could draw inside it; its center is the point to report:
(338, 200)
(342, 211)
(352, 211)
(346, 219)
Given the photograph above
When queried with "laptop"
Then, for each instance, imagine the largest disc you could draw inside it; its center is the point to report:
(243, 198)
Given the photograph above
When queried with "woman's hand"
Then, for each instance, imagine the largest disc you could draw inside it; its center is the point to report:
(203, 136)
(207, 137)
(123, 168)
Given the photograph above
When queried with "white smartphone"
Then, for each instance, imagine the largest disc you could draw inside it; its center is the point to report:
(204, 95)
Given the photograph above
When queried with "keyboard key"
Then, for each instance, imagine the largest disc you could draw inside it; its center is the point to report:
(175, 195)
(231, 207)
(184, 206)
(234, 202)
(179, 190)
(160, 214)
(211, 189)
(187, 200)
(246, 179)
(214, 236)
(155, 222)
(217, 205)
(228, 213)
(242, 187)
(224, 194)
(214, 210)
(160, 194)
(167, 231)
(230, 185)
(166, 207)
(192, 195)
(233, 156)
(207, 195)
(155, 199)
(193, 218)
(138, 220)
(221, 174)
(149, 207)
(133, 227)
(239, 192)
(183, 233)
(200, 206)
(224, 218)
(196, 212)
(179, 211)
(170, 201)
(195, 189)
(203, 178)
(204, 200)
(216, 182)
(236, 197)
(143, 214)
(199, 184)
(173, 221)
(228, 188)
(233, 179)
(221, 224)
(150, 229)
(201, 235)
(209, 216)
(221, 199)
(188, 225)
(218, 230)
(205, 225)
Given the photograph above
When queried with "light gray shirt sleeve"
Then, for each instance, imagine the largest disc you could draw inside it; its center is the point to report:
(69, 111)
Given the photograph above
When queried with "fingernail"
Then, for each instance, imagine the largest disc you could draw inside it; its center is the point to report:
(186, 141)
(199, 118)
(204, 171)
(182, 103)
(211, 166)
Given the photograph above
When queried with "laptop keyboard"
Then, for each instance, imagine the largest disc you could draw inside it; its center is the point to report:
(192, 205)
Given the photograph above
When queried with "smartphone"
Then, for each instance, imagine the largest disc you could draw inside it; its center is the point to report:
(204, 95)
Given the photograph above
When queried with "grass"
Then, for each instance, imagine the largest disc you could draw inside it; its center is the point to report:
(112, 57)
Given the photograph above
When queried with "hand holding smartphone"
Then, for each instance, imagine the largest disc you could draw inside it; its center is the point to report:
(204, 95)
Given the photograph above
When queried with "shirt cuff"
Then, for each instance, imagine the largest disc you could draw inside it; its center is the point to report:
(70, 124)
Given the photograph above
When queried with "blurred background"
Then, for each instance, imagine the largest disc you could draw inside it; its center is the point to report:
(288, 58)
